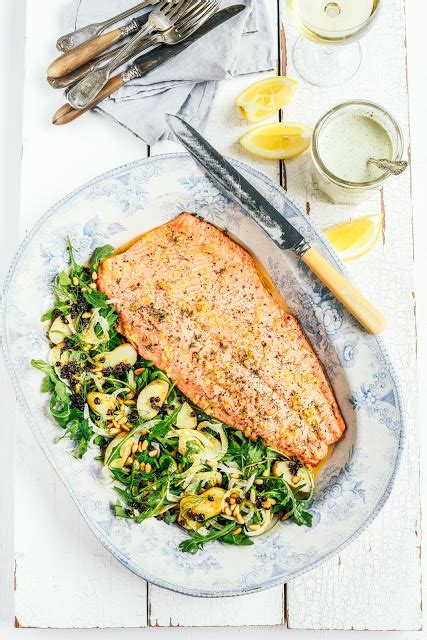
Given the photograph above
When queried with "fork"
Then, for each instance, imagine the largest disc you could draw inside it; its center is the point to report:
(182, 30)
(71, 40)
(161, 19)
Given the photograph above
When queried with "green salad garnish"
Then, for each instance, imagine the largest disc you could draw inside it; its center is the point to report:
(167, 458)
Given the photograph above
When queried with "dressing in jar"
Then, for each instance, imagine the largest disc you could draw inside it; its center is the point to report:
(343, 141)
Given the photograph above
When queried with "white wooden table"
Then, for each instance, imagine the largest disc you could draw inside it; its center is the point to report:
(63, 577)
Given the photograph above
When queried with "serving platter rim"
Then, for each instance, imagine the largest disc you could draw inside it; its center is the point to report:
(96, 530)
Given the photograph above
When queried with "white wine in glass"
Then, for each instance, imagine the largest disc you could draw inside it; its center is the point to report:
(328, 24)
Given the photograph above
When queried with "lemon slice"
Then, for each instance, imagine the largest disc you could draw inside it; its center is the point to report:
(278, 140)
(356, 237)
(265, 97)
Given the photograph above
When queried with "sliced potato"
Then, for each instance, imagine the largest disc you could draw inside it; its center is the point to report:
(101, 403)
(151, 399)
(186, 418)
(125, 451)
(59, 330)
(123, 354)
(303, 477)
(208, 504)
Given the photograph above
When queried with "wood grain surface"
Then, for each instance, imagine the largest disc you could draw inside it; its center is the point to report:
(64, 578)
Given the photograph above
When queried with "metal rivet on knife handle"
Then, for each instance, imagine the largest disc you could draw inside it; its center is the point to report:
(368, 316)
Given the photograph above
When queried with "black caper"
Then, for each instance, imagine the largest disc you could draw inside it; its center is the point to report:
(97, 401)
(211, 499)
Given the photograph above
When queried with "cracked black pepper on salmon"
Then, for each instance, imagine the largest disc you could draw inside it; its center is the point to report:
(191, 299)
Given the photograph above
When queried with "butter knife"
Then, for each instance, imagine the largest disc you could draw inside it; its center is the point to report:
(146, 63)
(280, 230)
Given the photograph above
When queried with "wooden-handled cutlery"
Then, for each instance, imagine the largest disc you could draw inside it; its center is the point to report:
(71, 40)
(87, 51)
(160, 21)
(179, 36)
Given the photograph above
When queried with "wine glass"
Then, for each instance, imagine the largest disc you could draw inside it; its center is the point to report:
(323, 26)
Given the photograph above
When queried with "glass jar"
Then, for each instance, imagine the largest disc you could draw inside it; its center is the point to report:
(347, 190)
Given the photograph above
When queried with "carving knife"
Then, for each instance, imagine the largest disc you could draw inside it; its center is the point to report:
(280, 230)
(147, 62)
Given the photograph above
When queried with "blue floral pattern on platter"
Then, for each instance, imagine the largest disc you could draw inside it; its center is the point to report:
(354, 483)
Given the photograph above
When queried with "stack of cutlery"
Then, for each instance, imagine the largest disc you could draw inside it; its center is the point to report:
(91, 54)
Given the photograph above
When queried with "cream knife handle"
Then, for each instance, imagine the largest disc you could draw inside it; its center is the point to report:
(368, 316)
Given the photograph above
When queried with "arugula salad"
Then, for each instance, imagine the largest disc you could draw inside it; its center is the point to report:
(167, 458)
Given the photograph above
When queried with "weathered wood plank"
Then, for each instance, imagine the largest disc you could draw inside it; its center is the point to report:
(168, 609)
(64, 577)
(375, 583)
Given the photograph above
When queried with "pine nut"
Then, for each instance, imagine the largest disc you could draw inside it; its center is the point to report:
(258, 481)
(239, 519)
(94, 276)
(235, 476)
(252, 495)
(134, 448)
(153, 453)
(254, 527)
(145, 445)
(92, 285)
(232, 500)
(227, 511)
(129, 461)
(136, 465)
(237, 531)
(130, 395)
(84, 289)
(86, 315)
(125, 427)
(148, 467)
(130, 403)
(140, 447)
(75, 281)
(114, 431)
(139, 371)
(265, 473)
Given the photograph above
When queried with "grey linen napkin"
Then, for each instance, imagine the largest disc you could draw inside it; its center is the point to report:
(186, 84)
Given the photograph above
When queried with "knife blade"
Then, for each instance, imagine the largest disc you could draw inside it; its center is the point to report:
(147, 62)
(280, 230)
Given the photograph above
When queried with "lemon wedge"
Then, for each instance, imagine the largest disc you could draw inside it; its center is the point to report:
(264, 98)
(356, 237)
(278, 140)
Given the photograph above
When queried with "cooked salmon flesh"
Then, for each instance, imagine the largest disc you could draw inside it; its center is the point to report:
(192, 300)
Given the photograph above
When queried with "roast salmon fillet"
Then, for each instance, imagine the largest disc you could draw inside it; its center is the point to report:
(192, 300)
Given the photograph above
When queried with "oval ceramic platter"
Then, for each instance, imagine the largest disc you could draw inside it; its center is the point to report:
(357, 479)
